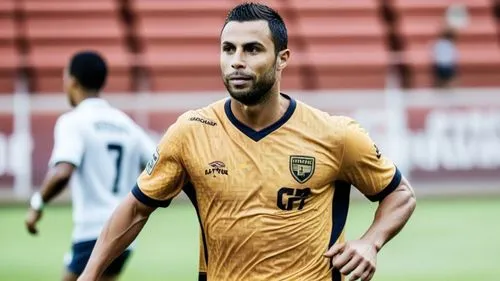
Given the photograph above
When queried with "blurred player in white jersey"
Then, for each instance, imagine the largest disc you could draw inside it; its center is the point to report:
(99, 152)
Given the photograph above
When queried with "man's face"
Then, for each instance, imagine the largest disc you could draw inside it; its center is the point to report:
(248, 60)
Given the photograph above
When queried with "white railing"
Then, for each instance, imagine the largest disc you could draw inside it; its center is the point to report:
(445, 142)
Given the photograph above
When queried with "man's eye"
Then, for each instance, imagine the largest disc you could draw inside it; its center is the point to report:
(227, 48)
(253, 50)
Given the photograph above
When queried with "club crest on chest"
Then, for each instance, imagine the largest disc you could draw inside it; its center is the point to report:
(302, 167)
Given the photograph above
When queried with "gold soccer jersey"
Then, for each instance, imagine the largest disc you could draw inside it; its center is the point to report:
(270, 202)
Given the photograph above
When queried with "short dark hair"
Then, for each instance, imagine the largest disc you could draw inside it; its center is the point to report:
(89, 69)
(253, 12)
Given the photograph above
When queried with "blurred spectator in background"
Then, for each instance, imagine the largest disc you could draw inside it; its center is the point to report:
(445, 57)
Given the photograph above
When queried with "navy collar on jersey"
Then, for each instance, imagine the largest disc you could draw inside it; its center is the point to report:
(258, 135)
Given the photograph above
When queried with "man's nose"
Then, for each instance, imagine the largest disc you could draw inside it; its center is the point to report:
(238, 61)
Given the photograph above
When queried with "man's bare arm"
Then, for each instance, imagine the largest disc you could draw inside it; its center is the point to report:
(358, 257)
(55, 181)
(120, 231)
(392, 214)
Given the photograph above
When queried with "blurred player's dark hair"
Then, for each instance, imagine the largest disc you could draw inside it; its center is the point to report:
(89, 69)
(255, 11)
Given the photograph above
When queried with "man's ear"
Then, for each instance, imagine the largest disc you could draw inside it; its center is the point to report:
(72, 82)
(282, 59)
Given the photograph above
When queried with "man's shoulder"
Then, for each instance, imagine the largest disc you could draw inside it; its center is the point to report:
(120, 116)
(201, 117)
(192, 123)
(69, 118)
(324, 120)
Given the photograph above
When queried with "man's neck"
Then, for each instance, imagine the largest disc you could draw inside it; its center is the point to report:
(261, 115)
(85, 97)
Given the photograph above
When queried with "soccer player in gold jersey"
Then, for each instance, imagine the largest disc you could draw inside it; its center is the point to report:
(270, 176)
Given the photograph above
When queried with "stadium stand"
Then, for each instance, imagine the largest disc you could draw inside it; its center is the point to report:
(178, 42)
(335, 44)
(54, 29)
(479, 56)
(345, 42)
(9, 57)
(321, 34)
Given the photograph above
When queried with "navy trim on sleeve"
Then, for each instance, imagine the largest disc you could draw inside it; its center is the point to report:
(146, 200)
(67, 162)
(396, 180)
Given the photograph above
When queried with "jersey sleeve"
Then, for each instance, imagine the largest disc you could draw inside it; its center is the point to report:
(164, 175)
(68, 142)
(363, 166)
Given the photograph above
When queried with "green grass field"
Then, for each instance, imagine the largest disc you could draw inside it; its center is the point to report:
(446, 240)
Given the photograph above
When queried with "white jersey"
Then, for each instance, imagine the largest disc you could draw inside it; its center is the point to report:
(108, 149)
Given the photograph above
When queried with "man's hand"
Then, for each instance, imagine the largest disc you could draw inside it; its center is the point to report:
(32, 218)
(358, 258)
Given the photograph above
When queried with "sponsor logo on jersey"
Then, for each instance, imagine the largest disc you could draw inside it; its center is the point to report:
(216, 168)
(302, 167)
(152, 163)
(377, 151)
(203, 120)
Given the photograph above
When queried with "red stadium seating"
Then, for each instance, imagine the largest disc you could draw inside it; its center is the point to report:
(479, 54)
(335, 44)
(344, 42)
(55, 29)
(179, 42)
(9, 57)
